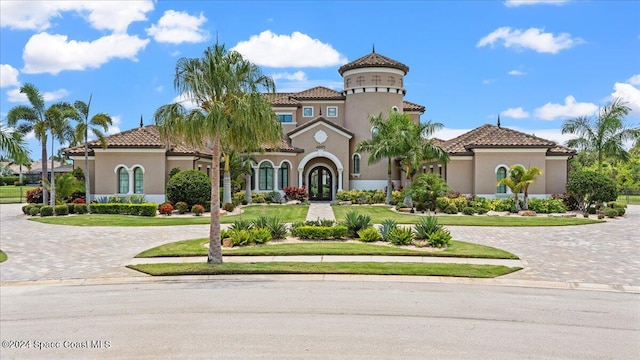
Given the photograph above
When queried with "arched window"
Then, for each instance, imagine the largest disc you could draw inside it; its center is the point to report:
(501, 173)
(283, 176)
(374, 132)
(356, 163)
(138, 183)
(265, 176)
(123, 181)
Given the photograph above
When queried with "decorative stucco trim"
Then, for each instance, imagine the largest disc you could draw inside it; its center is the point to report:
(509, 150)
(453, 158)
(183, 158)
(563, 158)
(373, 69)
(321, 123)
(130, 150)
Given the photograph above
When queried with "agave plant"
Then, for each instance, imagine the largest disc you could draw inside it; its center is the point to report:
(356, 222)
(427, 226)
(386, 227)
(241, 225)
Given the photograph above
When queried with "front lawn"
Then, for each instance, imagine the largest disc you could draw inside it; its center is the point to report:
(381, 213)
(196, 248)
(286, 213)
(3, 256)
(359, 268)
(11, 194)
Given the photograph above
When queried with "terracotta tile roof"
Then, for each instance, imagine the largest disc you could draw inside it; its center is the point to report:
(283, 146)
(281, 99)
(317, 120)
(318, 93)
(409, 106)
(491, 136)
(374, 60)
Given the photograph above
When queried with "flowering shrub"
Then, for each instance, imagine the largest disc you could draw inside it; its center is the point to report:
(165, 208)
(295, 193)
(197, 209)
(34, 196)
(78, 201)
(182, 207)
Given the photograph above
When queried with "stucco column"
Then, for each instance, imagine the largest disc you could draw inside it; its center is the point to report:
(340, 171)
(300, 177)
(275, 177)
(254, 185)
(131, 180)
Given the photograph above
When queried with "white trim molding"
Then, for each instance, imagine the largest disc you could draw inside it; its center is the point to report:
(453, 158)
(563, 158)
(321, 123)
(509, 150)
(316, 154)
(78, 158)
(130, 150)
(373, 69)
(182, 158)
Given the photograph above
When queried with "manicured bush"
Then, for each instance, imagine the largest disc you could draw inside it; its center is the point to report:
(258, 198)
(295, 193)
(621, 211)
(61, 210)
(600, 216)
(147, 209)
(165, 208)
(451, 209)
(8, 180)
(480, 203)
(239, 198)
(228, 207)
(426, 226)
(48, 211)
(386, 227)
(34, 210)
(361, 196)
(547, 206)
(260, 236)
(34, 196)
(481, 211)
(369, 235)
(79, 208)
(592, 210)
(401, 236)
(190, 186)
(320, 232)
(71, 208)
(356, 222)
(182, 207)
(468, 210)
(197, 209)
(610, 213)
(439, 238)
(590, 187)
(26, 209)
(174, 171)
(78, 173)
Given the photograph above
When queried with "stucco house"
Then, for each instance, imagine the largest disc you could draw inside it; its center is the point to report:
(321, 129)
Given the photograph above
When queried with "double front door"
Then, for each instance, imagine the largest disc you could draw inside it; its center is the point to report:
(320, 184)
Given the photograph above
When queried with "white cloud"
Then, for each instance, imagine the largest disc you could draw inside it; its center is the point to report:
(295, 50)
(628, 93)
(14, 95)
(515, 113)
(634, 80)
(176, 27)
(516, 3)
(186, 102)
(46, 53)
(102, 15)
(448, 133)
(8, 76)
(517, 72)
(488, 81)
(570, 108)
(533, 38)
(115, 125)
(159, 88)
(296, 76)
(296, 86)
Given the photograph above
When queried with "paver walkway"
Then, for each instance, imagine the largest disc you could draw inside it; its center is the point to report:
(320, 210)
(607, 253)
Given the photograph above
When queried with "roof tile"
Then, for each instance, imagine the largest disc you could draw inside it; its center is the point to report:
(373, 60)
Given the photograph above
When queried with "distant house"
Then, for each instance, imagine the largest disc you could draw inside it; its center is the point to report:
(321, 129)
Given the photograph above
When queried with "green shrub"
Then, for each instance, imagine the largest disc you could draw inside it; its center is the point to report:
(228, 207)
(26, 209)
(585, 214)
(182, 207)
(613, 205)
(426, 226)
(362, 196)
(240, 237)
(468, 210)
(174, 171)
(369, 235)
(277, 229)
(241, 224)
(197, 209)
(71, 208)
(480, 203)
(547, 206)
(260, 236)
(386, 227)
(34, 210)
(190, 186)
(165, 208)
(592, 210)
(451, 209)
(356, 222)
(48, 211)
(34, 196)
(61, 210)
(320, 232)
(590, 187)
(273, 197)
(147, 209)
(79, 208)
(600, 216)
(442, 203)
(620, 210)
(258, 198)
(439, 238)
(396, 197)
(482, 211)
(401, 236)
(224, 233)
(239, 198)
(610, 213)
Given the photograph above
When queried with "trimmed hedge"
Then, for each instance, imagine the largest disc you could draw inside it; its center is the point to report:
(148, 209)
(320, 232)
(61, 210)
(48, 211)
(79, 208)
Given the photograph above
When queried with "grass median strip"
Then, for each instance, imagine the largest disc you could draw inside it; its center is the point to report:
(196, 248)
(366, 268)
(381, 213)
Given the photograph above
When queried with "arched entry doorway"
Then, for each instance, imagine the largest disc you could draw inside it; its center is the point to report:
(320, 184)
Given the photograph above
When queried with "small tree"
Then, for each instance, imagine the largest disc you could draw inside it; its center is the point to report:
(427, 188)
(590, 187)
(514, 182)
(528, 178)
(190, 186)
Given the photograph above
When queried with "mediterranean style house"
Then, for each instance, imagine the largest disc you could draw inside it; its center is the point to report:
(321, 130)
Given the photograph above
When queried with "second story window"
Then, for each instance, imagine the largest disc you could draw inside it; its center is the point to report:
(286, 118)
(332, 111)
(307, 111)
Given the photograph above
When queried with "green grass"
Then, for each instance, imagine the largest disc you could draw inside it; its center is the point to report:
(11, 194)
(365, 268)
(285, 213)
(380, 213)
(196, 247)
(629, 199)
(3, 256)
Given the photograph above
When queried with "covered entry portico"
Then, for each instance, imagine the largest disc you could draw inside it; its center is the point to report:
(322, 173)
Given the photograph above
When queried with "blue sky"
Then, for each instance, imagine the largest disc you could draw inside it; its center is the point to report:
(535, 63)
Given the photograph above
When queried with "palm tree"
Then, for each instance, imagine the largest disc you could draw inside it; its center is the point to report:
(514, 182)
(57, 117)
(605, 134)
(21, 159)
(383, 145)
(32, 118)
(229, 106)
(97, 124)
(528, 178)
(12, 142)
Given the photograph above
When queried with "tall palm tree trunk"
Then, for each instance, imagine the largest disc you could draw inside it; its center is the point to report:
(226, 181)
(53, 176)
(215, 250)
(389, 187)
(87, 179)
(247, 190)
(43, 177)
(20, 175)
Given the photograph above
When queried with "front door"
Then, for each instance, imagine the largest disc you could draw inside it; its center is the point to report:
(320, 184)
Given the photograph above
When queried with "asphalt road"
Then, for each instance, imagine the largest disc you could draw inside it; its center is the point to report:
(274, 319)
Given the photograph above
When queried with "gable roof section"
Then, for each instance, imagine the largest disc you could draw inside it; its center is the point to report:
(409, 106)
(313, 123)
(373, 60)
(318, 93)
(491, 136)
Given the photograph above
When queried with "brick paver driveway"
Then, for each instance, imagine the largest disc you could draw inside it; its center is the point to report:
(606, 253)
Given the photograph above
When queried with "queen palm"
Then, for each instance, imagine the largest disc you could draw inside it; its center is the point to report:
(97, 124)
(13, 144)
(57, 117)
(605, 135)
(226, 89)
(384, 144)
(514, 182)
(528, 178)
(32, 118)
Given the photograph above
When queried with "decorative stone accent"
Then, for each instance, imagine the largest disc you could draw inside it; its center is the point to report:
(404, 210)
(566, 215)
(293, 202)
(498, 213)
(320, 136)
(345, 203)
(227, 242)
(527, 213)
